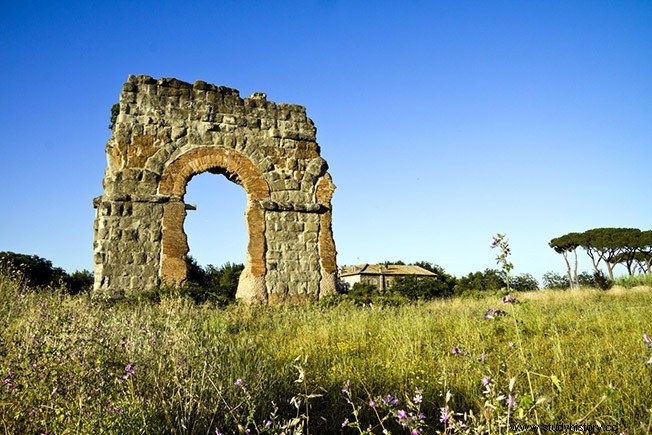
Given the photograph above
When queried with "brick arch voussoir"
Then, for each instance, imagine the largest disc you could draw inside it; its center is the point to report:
(176, 175)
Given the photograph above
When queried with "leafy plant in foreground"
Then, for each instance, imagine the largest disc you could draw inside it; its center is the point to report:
(502, 258)
(387, 411)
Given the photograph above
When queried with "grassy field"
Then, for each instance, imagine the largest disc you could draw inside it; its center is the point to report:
(72, 365)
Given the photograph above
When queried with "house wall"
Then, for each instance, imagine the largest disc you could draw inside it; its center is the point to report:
(350, 280)
(382, 282)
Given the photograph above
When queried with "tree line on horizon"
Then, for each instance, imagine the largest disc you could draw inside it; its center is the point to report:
(629, 247)
(39, 272)
(442, 285)
(212, 284)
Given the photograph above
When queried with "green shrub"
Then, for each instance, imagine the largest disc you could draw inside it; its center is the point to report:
(80, 281)
(630, 281)
(211, 284)
(115, 111)
(586, 279)
(523, 283)
(489, 281)
(421, 288)
(553, 280)
(602, 282)
(39, 273)
(364, 294)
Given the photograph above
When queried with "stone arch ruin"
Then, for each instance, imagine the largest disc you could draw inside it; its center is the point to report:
(168, 131)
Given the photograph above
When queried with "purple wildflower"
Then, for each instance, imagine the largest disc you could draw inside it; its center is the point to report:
(390, 400)
(347, 386)
(486, 381)
(402, 415)
(372, 404)
(129, 370)
(240, 383)
(445, 415)
(511, 401)
(509, 299)
(456, 351)
(345, 423)
(483, 357)
(492, 313)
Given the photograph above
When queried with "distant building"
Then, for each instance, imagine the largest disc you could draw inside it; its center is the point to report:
(380, 275)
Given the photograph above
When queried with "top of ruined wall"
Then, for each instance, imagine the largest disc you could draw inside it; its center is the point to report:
(161, 119)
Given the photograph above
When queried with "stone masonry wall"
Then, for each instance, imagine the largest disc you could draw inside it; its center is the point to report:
(166, 132)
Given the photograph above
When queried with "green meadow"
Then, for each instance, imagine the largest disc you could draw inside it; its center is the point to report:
(72, 365)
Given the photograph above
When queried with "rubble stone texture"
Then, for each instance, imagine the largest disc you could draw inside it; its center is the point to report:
(168, 131)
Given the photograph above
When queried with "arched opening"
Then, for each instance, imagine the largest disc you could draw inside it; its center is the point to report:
(174, 244)
(216, 230)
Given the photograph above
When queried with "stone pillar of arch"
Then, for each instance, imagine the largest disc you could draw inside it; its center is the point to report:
(168, 131)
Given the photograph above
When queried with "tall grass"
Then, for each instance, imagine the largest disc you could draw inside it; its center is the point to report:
(73, 365)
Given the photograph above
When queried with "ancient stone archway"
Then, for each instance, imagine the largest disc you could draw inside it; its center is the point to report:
(166, 132)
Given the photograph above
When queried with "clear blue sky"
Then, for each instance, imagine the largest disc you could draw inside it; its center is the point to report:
(442, 122)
